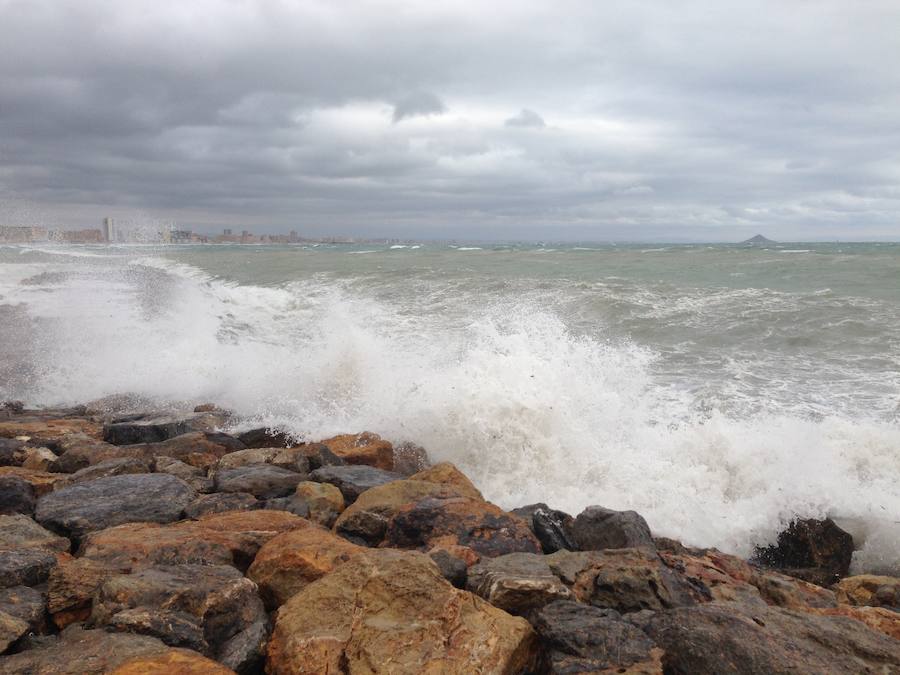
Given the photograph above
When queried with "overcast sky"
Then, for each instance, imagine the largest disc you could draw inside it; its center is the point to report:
(485, 119)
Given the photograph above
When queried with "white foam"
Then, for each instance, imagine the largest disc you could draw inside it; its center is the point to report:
(531, 411)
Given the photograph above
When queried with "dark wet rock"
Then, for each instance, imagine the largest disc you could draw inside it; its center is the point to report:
(11, 452)
(195, 448)
(85, 507)
(196, 606)
(26, 604)
(192, 475)
(261, 480)
(227, 441)
(292, 459)
(578, 638)
(730, 638)
(410, 458)
(82, 652)
(16, 495)
(817, 551)
(452, 568)
(627, 580)
(146, 430)
(21, 532)
(265, 438)
(597, 528)
(352, 481)
(245, 652)
(291, 504)
(485, 528)
(553, 528)
(219, 502)
(518, 583)
(25, 567)
(118, 466)
(318, 455)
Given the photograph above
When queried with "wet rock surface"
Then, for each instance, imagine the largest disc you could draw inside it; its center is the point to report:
(597, 528)
(263, 481)
(98, 504)
(817, 551)
(518, 583)
(352, 481)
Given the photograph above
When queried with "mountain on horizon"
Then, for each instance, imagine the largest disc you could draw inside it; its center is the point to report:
(758, 240)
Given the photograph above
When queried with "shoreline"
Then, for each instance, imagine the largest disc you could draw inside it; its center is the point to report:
(134, 541)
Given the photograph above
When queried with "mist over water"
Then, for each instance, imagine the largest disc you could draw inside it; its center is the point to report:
(718, 391)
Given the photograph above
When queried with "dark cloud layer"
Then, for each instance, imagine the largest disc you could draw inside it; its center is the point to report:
(703, 120)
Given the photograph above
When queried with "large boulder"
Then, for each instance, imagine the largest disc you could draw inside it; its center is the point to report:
(352, 481)
(448, 475)
(627, 580)
(48, 431)
(72, 585)
(290, 561)
(117, 466)
(410, 458)
(817, 551)
(40, 459)
(323, 501)
(365, 448)
(366, 520)
(11, 629)
(597, 528)
(26, 604)
(265, 438)
(457, 521)
(231, 538)
(21, 532)
(82, 652)
(202, 607)
(192, 475)
(578, 638)
(292, 459)
(172, 662)
(713, 575)
(879, 619)
(730, 638)
(146, 430)
(41, 482)
(869, 589)
(518, 583)
(263, 481)
(392, 612)
(86, 507)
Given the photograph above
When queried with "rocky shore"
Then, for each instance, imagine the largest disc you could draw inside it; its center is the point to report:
(140, 542)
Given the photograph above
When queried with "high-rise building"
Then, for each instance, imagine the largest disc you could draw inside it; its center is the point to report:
(109, 229)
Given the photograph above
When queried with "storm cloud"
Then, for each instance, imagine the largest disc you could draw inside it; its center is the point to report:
(657, 120)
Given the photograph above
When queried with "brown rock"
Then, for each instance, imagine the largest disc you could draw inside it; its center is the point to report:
(20, 531)
(392, 612)
(195, 448)
(11, 629)
(627, 580)
(487, 529)
(78, 452)
(219, 502)
(71, 588)
(792, 593)
(877, 618)
(49, 429)
(82, 652)
(448, 475)
(817, 551)
(410, 458)
(27, 566)
(16, 496)
(42, 482)
(172, 662)
(293, 459)
(192, 475)
(715, 576)
(518, 583)
(366, 520)
(231, 538)
(869, 589)
(118, 466)
(38, 459)
(27, 604)
(733, 639)
(290, 561)
(365, 448)
(325, 501)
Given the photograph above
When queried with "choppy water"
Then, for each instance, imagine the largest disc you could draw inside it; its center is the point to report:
(720, 391)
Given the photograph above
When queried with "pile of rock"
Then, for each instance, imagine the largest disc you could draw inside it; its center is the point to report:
(159, 544)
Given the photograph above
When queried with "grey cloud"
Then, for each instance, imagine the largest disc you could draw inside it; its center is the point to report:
(526, 118)
(418, 104)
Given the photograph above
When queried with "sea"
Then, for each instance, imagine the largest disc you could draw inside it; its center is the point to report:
(719, 390)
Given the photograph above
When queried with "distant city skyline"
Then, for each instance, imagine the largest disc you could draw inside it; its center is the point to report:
(527, 120)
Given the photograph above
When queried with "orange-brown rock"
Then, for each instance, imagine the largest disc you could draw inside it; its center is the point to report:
(877, 618)
(365, 448)
(231, 538)
(392, 612)
(172, 662)
(42, 482)
(292, 560)
(447, 474)
(71, 588)
(485, 528)
(715, 576)
(464, 553)
(790, 592)
(324, 500)
(366, 520)
(869, 589)
(50, 429)
(39, 459)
